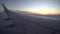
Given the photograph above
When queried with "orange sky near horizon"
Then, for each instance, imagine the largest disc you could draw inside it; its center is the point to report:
(45, 12)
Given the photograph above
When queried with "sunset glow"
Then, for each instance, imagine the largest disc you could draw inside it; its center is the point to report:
(46, 12)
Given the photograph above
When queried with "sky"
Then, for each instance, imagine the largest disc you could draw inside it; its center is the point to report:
(38, 6)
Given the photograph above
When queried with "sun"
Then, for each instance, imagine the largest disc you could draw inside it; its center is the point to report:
(43, 13)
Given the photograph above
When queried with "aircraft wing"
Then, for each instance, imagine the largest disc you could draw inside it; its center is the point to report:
(26, 24)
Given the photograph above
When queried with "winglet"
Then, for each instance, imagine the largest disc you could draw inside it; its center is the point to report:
(5, 9)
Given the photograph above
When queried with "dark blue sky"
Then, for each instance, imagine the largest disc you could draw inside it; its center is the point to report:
(32, 5)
